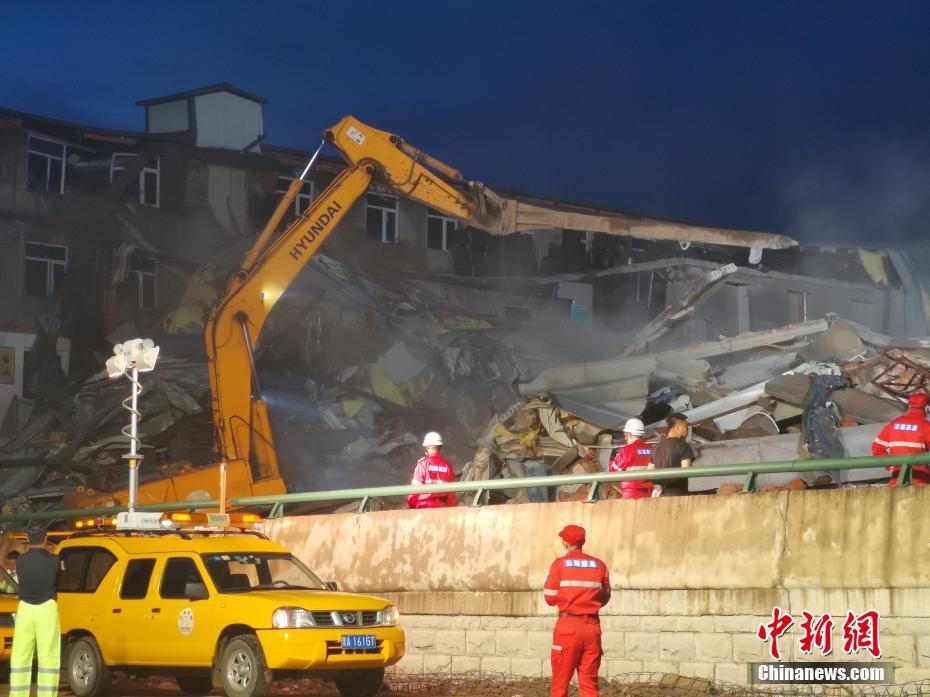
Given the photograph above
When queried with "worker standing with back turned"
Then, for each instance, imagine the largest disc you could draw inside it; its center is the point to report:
(635, 455)
(38, 626)
(433, 468)
(580, 586)
(907, 435)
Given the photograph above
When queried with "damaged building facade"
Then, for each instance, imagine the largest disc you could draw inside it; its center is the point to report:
(407, 322)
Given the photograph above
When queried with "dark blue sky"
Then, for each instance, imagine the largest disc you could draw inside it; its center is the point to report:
(810, 118)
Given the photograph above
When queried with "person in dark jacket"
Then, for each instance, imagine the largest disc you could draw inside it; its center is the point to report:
(38, 626)
(674, 451)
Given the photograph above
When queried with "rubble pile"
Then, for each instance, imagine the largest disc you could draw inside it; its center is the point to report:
(354, 371)
(819, 389)
(73, 440)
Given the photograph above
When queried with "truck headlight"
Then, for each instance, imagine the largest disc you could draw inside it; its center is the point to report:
(291, 618)
(390, 616)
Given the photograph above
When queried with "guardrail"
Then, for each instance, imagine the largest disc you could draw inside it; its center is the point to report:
(482, 488)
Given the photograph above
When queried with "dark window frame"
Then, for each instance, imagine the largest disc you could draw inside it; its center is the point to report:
(58, 161)
(151, 561)
(448, 230)
(145, 194)
(51, 262)
(164, 575)
(91, 551)
(387, 232)
(144, 269)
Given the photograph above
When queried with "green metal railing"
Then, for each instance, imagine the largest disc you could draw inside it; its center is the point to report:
(482, 488)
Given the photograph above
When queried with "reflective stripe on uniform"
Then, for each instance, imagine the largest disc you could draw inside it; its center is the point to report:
(906, 444)
(581, 584)
(556, 647)
(546, 591)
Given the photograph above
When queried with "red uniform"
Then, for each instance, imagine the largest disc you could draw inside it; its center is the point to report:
(635, 455)
(906, 435)
(432, 469)
(579, 585)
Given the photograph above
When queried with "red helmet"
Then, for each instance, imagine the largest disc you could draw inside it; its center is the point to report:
(573, 535)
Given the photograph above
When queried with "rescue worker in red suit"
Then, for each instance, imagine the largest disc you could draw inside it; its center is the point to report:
(432, 469)
(907, 435)
(635, 455)
(579, 585)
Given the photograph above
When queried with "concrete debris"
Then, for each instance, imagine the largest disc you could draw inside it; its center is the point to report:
(677, 310)
(817, 389)
(839, 343)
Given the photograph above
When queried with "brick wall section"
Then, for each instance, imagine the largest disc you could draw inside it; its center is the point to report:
(713, 647)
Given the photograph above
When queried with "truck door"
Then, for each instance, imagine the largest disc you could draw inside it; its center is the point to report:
(85, 587)
(130, 615)
(183, 631)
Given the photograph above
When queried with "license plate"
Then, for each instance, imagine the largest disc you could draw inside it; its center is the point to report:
(359, 641)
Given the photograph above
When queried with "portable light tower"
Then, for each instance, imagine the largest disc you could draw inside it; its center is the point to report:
(130, 359)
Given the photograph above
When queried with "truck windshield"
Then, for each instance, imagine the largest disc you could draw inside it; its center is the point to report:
(238, 572)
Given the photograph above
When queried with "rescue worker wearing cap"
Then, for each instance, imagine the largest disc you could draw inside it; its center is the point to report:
(8, 581)
(38, 627)
(635, 455)
(433, 468)
(580, 586)
(907, 435)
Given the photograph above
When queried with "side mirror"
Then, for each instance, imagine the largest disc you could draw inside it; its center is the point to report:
(195, 591)
(331, 585)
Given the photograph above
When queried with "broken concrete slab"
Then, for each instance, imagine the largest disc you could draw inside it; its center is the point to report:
(596, 373)
(744, 342)
(728, 413)
(792, 388)
(866, 408)
(400, 364)
(883, 341)
(857, 442)
(678, 310)
(840, 343)
(756, 369)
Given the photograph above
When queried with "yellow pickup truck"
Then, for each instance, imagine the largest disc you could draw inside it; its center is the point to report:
(214, 608)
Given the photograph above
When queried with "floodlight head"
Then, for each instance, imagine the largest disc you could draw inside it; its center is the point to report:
(137, 353)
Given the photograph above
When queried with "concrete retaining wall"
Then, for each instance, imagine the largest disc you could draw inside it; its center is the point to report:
(693, 577)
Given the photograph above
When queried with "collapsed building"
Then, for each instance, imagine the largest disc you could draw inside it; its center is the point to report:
(532, 347)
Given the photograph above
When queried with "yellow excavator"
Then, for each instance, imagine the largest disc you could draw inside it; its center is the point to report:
(248, 459)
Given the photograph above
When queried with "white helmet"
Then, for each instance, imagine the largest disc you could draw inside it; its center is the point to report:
(635, 426)
(432, 438)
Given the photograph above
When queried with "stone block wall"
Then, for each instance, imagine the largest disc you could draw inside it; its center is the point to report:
(703, 646)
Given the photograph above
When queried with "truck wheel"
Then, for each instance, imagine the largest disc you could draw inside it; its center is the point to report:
(364, 682)
(88, 675)
(244, 670)
(195, 684)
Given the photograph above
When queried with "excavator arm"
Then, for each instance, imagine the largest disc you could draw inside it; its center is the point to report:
(240, 415)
